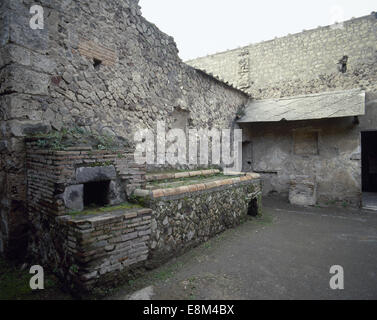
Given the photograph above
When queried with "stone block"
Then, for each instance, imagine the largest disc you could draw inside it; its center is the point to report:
(90, 174)
(303, 191)
(74, 197)
(158, 193)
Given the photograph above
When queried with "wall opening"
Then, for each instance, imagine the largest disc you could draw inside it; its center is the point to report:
(96, 194)
(343, 64)
(369, 161)
(247, 156)
(96, 63)
(253, 208)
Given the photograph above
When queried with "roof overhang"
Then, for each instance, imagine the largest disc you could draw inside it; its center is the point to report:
(324, 105)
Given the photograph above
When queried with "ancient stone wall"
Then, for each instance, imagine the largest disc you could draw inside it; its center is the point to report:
(326, 150)
(187, 216)
(91, 250)
(85, 247)
(98, 65)
(306, 62)
(332, 58)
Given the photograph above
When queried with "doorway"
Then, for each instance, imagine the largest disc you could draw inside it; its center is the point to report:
(247, 156)
(369, 169)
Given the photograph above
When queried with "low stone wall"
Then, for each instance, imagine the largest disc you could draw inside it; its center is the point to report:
(100, 246)
(179, 175)
(91, 251)
(184, 217)
(87, 248)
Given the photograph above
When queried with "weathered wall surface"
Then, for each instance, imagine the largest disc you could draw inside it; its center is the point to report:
(280, 157)
(98, 65)
(305, 62)
(184, 220)
(300, 64)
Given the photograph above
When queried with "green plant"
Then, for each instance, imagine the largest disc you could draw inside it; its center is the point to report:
(123, 206)
(74, 268)
(70, 137)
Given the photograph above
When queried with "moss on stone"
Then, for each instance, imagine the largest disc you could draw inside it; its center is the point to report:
(174, 183)
(123, 206)
(76, 136)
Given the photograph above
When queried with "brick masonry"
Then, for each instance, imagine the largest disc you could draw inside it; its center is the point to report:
(91, 249)
(299, 64)
(94, 251)
(49, 80)
(183, 217)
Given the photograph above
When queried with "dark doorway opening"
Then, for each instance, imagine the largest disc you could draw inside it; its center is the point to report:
(247, 156)
(369, 161)
(253, 208)
(96, 194)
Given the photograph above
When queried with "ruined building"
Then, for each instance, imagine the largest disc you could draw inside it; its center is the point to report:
(98, 69)
(310, 127)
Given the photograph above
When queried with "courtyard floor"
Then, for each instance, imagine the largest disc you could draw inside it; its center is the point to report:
(285, 255)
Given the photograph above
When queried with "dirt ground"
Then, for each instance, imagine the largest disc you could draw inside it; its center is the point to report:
(286, 254)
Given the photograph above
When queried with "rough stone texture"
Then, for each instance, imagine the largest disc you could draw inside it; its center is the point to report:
(314, 106)
(183, 221)
(302, 64)
(278, 156)
(303, 191)
(49, 80)
(86, 174)
(91, 250)
(73, 197)
(49, 173)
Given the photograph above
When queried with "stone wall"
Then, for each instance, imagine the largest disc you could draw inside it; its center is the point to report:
(302, 63)
(51, 175)
(186, 216)
(332, 158)
(98, 65)
(91, 251)
(299, 64)
(85, 248)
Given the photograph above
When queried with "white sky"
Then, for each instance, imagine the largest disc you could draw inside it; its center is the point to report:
(202, 27)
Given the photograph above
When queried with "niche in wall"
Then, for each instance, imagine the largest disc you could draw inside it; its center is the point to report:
(305, 142)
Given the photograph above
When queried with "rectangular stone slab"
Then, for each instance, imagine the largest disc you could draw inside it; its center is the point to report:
(90, 174)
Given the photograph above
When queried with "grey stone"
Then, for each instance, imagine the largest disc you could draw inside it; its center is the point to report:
(74, 197)
(303, 191)
(143, 294)
(90, 174)
(3, 145)
(23, 128)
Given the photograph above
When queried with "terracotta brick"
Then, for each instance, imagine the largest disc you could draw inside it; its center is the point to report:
(201, 186)
(236, 180)
(193, 188)
(183, 189)
(210, 185)
(220, 183)
(158, 193)
(169, 192)
(195, 173)
(181, 175)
